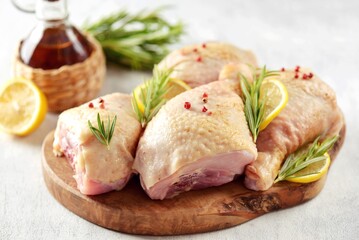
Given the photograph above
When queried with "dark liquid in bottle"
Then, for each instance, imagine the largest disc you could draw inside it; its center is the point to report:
(53, 47)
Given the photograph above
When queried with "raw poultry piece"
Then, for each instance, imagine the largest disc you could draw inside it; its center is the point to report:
(202, 63)
(235, 71)
(198, 139)
(98, 168)
(311, 111)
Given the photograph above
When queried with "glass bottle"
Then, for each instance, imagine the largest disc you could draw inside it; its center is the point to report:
(54, 42)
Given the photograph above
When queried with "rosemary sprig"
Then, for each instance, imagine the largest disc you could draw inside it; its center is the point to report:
(135, 40)
(152, 95)
(253, 104)
(304, 157)
(103, 135)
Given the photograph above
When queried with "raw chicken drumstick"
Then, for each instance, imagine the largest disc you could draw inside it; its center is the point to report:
(99, 169)
(311, 111)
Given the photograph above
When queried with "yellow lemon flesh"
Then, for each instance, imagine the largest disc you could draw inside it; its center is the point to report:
(312, 172)
(275, 97)
(176, 86)
(22, 107)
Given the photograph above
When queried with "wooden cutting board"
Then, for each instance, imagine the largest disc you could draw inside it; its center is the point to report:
(132, 211)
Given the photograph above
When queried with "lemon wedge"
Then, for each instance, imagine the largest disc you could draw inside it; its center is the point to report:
(176, 86)
(22, 107)
(276, 97)
(312, 172)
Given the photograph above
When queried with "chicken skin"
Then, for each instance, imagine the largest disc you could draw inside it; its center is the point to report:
(98, 168)
(202, 63)
(198, 139)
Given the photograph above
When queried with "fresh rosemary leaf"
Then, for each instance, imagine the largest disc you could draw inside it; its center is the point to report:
(253, 104)
(305, 157)
(152, 95)
(135, 40)
(103, 135)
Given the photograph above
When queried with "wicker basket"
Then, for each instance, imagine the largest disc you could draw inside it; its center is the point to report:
(70, 85)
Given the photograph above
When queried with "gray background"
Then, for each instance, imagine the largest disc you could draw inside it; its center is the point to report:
(322, 35)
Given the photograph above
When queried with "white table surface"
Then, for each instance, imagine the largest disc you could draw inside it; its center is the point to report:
(323, 35)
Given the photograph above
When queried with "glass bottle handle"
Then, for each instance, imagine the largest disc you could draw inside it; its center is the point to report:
(27, 6)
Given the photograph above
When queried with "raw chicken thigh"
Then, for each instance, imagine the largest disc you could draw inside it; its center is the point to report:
(311, 111)
(198, 139)
(99, 169)
(201, 64)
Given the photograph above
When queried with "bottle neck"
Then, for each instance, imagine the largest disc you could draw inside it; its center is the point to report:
(51, 10)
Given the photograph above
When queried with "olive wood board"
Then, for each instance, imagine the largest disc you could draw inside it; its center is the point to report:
(132, 211)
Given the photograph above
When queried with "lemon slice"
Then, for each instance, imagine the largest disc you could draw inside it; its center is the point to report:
(176, 86)
(22, 107)
(276, 97)
(137, 96)
(312, 172)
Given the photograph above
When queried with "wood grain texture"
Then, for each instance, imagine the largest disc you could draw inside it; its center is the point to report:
(132, 211)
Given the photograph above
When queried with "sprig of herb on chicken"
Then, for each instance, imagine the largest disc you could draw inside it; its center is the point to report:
(253, 104)
(135, 40)
(305, 157)
(152, 95)
(103, 135)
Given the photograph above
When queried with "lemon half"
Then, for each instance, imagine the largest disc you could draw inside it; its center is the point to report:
(22, 107)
